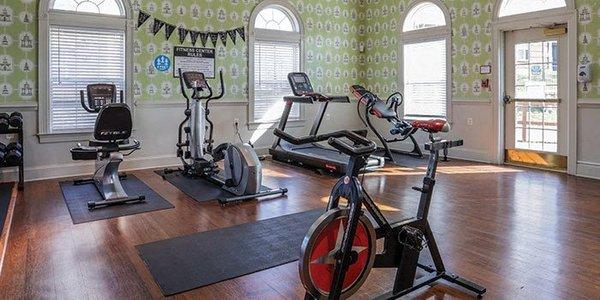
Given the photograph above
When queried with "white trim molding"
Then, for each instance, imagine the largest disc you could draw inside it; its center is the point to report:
(427, 35)
(48, 16)
(544, 18)
(588, 169)
(87, 168)
(255, 34)
(589, 103)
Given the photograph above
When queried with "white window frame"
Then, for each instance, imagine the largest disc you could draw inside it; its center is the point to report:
(48, 17)
(427, 35)
(273, 35)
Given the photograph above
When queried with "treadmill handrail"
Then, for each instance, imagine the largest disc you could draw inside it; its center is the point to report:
(362, 146)
(299, 99)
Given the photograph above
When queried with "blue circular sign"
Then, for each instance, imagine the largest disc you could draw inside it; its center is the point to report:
(162, 63)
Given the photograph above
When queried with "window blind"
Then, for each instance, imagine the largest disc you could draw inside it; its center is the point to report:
(78, 57)
(273, 61)
(425, 79)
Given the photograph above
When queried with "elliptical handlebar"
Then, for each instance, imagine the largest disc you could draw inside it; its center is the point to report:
(362, 146)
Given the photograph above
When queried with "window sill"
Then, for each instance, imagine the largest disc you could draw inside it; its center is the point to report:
(63, 137)
(266, 125)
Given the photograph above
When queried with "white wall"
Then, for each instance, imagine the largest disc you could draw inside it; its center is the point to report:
(588, 157)
(156, 128)
(477, 136)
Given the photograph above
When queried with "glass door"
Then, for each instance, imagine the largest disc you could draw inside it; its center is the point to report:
(535, 99)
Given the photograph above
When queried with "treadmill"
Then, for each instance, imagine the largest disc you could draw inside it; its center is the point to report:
(314, 155)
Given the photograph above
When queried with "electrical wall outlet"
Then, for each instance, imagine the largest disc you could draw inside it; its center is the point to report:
(236, 122)
(470, 121)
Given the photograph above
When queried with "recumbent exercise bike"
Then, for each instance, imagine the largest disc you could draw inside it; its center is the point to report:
(242, 173)
(400, 130)
(340, 248)
(112, 131)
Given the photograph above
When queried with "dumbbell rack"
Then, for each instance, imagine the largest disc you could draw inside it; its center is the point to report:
(19, 133)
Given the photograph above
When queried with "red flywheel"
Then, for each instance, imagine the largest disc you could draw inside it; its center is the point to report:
(323, 241)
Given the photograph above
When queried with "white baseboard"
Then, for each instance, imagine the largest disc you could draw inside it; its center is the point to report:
(588, 169)
(86, 168)
(456, 153)
(470, 155)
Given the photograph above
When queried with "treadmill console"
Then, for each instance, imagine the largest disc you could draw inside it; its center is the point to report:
(300, 84)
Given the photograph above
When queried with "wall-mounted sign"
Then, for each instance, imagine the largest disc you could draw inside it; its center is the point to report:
(162, 63)
(194, 59)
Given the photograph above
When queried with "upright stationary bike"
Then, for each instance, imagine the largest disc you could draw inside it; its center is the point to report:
(242, 173)
(340, 248)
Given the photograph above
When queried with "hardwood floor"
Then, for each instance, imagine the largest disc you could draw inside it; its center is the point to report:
(524, 234)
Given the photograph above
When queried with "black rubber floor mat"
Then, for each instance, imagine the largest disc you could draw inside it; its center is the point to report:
(5, 196)
(189, 262)
(197, 188)
(77, 196)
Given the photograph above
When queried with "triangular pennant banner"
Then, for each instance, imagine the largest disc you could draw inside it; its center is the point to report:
(214, 37)
(169, 30)
(182, 34)
(203, 38)
(223, 36)
(142, 18)
(194, 36)
(242, 32)
(158, 24)
(232, 35)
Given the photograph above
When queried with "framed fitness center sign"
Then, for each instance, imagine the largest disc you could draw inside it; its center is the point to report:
(194, 59)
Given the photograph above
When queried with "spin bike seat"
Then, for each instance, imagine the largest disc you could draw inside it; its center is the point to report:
(432, 126)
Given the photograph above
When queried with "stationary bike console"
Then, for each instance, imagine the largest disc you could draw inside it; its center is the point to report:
(99, 95)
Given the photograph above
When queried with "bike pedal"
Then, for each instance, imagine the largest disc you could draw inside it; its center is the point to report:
(418, 189)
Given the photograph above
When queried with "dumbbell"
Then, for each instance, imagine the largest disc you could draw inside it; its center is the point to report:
(16, 119)
(14, 153)
(4, 121)
(2, 152)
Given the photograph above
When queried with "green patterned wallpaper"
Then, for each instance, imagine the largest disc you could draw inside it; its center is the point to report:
(471, 44)
(334, 29)
(18, 52)
(331, 45)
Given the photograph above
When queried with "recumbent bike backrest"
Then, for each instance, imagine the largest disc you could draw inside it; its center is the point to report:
(114, 123)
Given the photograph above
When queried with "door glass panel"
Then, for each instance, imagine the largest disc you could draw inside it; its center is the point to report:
(536, 78)
(536, 126)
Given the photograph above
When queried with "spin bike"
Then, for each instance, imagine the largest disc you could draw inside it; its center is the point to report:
(340, 248)
(242, 173)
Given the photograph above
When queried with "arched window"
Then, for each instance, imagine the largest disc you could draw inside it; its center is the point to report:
(517, 7)
(275, 51)
(81, 42)
(106, 7)
(425, 60)
(424, 15)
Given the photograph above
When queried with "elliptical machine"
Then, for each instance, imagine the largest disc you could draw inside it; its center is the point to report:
(242, 173)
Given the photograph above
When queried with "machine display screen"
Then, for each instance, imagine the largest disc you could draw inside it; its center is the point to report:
(299, 79)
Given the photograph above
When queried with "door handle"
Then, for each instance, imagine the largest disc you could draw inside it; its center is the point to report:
(507, 99)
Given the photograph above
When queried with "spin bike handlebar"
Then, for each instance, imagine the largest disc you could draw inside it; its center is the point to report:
(362, 146)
